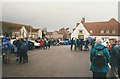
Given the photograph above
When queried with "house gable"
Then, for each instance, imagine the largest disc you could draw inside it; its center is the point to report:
(23, 31)
(77, 30)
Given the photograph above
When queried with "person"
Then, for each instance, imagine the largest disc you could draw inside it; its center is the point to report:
(114, 53)
(72, 43)
(26, 41)
(45, 44)
(99, 57)
(15, 43)
(75, 44)
(41, 44)
(93, 42)
(6, 49)
(86, 44)
(81, 44)
(119, 62)
(109, 46)
(9, 48)
(49, 43)
(22, 49)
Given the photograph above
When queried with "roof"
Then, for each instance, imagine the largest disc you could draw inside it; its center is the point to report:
(15, 27)
(49, 33)
(96, 27)
(59, 32)
(35, 30)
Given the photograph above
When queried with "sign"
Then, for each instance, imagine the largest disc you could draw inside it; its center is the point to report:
(81, 36)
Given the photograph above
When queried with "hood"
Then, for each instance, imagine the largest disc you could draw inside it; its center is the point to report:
(99, 46)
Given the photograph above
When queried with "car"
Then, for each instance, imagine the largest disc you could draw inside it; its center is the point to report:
(61, 42)
(30, 45)
(66, 42)
(12, 40)
(36, 44)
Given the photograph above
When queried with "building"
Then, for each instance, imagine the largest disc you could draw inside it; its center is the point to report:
(61, 34)
(20, 30)
(54, 35)
(106, 29)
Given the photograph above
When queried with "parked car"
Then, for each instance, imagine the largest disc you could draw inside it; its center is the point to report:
(36, 44)
(66, 42)
(61, 42)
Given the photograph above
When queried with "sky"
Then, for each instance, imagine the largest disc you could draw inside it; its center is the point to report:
(55, 15)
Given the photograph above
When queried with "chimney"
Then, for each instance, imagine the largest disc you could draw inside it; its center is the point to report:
(83, 20)
(77, 24)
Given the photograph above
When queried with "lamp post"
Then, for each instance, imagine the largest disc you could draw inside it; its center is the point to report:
(30, 30)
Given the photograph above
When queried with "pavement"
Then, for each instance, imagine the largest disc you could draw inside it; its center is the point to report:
(59, 61)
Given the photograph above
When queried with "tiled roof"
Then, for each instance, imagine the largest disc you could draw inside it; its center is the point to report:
(35, 30)
(97, 27)
(59, 32)
(49, 33)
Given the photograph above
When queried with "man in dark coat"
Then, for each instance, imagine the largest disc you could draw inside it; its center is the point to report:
(22, 50)
(114, 53)
(119, 62)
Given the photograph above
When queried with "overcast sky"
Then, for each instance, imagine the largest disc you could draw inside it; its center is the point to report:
(55, 15)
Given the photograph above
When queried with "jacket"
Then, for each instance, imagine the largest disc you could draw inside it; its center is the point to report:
(105, 68)
(114, 55)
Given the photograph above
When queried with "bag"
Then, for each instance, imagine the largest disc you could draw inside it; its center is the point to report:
(99, 60)
(23, 46)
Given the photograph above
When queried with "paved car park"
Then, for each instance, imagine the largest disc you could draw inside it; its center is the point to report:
(58, 61)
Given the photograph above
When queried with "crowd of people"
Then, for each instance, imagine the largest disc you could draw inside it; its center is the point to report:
(104, 55)
(46, 43)
(20, 49)
(105, 58)
(81, 44)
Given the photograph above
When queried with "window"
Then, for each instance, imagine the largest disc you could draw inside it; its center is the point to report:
(91, 31)
(80, 31)
(107, 31)
(113, 31)
(102, 31)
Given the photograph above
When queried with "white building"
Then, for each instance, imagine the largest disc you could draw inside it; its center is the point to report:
(23, 32)
(107, 29)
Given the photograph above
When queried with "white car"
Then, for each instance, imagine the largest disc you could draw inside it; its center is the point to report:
(36, 44)
(12, 40)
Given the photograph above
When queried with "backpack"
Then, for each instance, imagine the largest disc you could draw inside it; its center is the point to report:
(23, 46)
(99, 60)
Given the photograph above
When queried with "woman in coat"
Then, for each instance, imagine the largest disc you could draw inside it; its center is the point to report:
(99, 72)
